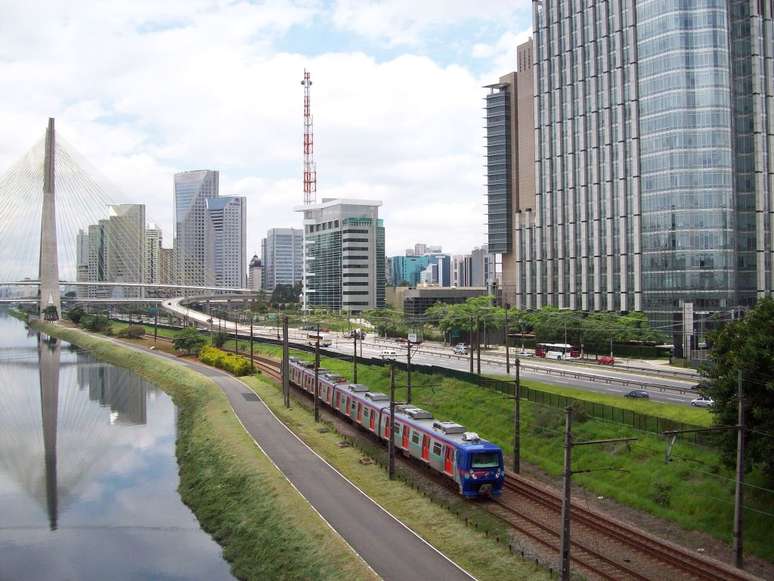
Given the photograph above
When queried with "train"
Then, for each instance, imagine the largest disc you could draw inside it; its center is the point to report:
(474, 464)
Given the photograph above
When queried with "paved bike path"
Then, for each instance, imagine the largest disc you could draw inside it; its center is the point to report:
(391, 549)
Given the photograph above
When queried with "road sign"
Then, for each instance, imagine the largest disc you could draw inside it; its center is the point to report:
(412, 337)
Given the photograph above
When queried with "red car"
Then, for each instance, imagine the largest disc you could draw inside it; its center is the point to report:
(606, 360)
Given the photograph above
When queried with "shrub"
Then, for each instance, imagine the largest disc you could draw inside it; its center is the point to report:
(219, 339)
(132, 332)
(235, 364)
(189, 340)
(95, 323)
(75, 314)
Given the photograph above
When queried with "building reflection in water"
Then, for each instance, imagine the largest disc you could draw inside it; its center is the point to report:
(76, 431)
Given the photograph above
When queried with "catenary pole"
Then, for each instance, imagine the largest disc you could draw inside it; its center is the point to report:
(408, 371)
(517, 420)
(478, 347)
(564, 551)
(391, 442)
(317, 376)
(285, 362)
(739, 492)
(507, 353)
(252, 362)
(354, 358)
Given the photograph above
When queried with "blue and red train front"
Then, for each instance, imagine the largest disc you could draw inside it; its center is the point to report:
(481, 470)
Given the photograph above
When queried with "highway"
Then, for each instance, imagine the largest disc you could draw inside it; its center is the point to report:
(661, 388)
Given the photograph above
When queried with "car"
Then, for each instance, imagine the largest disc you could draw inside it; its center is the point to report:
(702, 402)
(461, 349)
(606, 360)
(388, 354)
(638, 394)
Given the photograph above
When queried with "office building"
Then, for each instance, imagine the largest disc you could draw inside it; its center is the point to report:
(97, 259)
(283, 257)
(483, 267)
(125, 249)
(167, 270)
(407, 270)
(194, 261)
(510, 160)
(82, 260)
(227, 232)
(654, 164)
(461, 267)
(343, 255)
(152, 256)
(417, 300)
(255, 274)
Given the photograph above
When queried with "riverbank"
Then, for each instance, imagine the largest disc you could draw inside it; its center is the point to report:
(266, 528)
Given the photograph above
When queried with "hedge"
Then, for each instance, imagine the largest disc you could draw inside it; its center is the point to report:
(235, 364)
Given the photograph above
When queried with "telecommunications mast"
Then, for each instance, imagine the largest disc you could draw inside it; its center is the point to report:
(310, 170)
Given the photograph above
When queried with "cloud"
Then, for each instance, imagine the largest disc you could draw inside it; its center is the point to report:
(144, 89)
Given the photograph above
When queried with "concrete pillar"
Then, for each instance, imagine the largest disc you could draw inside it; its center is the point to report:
(48, 368)
(48, 273)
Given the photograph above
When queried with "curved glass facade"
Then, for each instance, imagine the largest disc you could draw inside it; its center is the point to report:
(686, 158)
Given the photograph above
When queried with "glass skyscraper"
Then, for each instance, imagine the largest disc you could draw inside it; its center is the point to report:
(194, 261)
(654, 156)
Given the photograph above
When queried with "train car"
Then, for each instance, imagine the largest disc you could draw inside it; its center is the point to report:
(475, 465)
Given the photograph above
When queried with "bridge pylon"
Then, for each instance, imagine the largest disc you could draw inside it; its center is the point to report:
(50, 307)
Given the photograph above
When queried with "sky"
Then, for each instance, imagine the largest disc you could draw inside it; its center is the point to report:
(143, 89)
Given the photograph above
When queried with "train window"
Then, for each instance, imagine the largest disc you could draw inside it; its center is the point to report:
(485, 460)
(437, 448)
(415, 437)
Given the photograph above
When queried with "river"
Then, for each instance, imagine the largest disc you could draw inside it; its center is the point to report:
(88, 474)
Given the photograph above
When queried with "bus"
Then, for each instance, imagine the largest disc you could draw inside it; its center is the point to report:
(557, 351)
(325, 340)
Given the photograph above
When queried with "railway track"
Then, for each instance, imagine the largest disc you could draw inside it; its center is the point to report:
(602, 547)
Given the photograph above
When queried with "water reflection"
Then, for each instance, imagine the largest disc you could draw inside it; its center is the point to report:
(88, 475)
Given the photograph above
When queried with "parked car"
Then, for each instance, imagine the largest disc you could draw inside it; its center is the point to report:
(388, 354)
(606, 360)
(702, 402)
(460, 349)
(638, 394)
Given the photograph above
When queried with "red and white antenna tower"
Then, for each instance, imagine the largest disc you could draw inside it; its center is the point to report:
(310, 170)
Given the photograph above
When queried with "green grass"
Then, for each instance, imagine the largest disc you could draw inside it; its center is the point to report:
(267, 530)
(695, 490)
(471, 549)
(677, 412)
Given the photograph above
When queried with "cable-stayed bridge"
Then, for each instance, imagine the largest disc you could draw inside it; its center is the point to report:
(62, 226)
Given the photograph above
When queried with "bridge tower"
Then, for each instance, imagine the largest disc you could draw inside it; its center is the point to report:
(48, 273)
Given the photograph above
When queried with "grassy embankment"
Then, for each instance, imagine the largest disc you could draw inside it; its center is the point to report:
(695, 490)
(479, 554)
(266, 528)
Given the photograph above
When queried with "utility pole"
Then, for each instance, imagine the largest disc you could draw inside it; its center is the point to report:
(317, 376)
(517, 420)
(236, 334)
(470, 337)
(285, 362)
(739, 493)
(354, 358)
(391, 442)
(478, 347)
(156, 326)
(564, 551)
(408, 371)
(252, 363)
(569, 443)
(507, 354)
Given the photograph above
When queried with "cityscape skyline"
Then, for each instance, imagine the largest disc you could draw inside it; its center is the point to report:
(247, 120)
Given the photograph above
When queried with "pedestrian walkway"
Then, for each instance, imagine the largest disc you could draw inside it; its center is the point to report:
(391, 549)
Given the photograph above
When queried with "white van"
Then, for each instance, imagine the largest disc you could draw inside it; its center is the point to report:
(388, 354)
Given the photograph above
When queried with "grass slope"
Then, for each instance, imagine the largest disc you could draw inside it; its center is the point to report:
(267, 530)
(695, 490)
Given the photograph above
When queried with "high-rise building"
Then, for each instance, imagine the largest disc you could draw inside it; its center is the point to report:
(482, 267)
(461, 266)
(510, 159)
(125, 237)
(343, 255)
(283, 257)
(82, 260)
(97, 269)
(654, 164)
(227, 234)
(167, 262)
(407, 270)
(255, 274)
(152, 257)
(194, 261)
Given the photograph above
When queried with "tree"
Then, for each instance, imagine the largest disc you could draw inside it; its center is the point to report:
(189, 340)
(285, 293)
(75, 314)
(746, 346)
(219, 339)
(387, 322)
